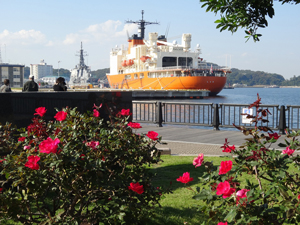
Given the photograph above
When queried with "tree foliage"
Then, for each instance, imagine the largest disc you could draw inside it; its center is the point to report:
(247, 14)
(100, 74)
(254, 78)
(62, 72)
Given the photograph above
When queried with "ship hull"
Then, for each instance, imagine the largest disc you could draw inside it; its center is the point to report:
(213, 84)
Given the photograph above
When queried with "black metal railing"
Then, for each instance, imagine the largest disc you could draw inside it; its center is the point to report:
(231, 114)
(213, 115)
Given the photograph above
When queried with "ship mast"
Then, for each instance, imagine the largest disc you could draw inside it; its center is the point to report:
(142, 23)
(81, 58)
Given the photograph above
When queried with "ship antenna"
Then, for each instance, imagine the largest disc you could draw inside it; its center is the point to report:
(142, 23)
(81, 57)
(167, 30)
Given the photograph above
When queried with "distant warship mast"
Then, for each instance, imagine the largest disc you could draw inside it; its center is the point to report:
(81, 73)
(81, 58)
(142, 23)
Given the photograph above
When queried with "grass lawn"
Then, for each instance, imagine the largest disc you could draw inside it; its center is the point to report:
(178, 207)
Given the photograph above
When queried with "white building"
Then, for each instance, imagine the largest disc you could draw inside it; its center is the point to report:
(41, 70)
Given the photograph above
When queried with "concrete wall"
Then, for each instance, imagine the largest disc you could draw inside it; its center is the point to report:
(18, 108)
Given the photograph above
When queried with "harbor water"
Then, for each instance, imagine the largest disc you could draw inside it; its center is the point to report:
(269, 96)
(198, 111)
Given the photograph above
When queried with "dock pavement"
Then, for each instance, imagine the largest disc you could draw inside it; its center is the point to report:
(185, 141)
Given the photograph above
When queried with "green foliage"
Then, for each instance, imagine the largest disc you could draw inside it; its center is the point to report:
(85, 180)
(254, 78)
(100, 74)
(293, 81)
(62, 72)
(247, 14)
(272, 196)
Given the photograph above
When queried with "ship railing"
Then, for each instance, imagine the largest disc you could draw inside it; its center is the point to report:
(171, 68)
(223, 115)
(220, 68)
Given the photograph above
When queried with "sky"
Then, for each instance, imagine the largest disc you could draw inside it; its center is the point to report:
(52, 30)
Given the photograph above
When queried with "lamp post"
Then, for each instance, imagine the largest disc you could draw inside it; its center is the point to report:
(58, 69)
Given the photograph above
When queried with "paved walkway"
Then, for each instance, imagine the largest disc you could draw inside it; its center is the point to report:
(184, 140)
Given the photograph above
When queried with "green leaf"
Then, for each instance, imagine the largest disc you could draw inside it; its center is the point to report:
(231, 215)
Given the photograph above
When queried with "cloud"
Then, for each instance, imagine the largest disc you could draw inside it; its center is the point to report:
(23, 37)
(101, 33)
(244, 54)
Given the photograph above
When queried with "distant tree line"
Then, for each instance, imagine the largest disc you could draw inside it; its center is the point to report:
(251, 78)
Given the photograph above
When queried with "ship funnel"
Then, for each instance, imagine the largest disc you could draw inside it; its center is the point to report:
(186, 41)
(153, 39)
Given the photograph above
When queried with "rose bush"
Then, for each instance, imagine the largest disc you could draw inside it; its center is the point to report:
(77, 169)
(258, 185)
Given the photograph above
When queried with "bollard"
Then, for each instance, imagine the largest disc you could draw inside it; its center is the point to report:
(158, 115)
(216, 120)
(282, 120)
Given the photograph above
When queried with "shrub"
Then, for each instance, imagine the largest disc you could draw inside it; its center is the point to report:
(77, 169)
(271, 193)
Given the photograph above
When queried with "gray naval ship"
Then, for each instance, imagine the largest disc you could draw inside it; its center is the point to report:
(81, 73)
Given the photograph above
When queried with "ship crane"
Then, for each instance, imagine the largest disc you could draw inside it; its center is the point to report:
(142, 23)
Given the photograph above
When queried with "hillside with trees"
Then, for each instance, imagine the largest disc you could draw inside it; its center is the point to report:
(251, 78)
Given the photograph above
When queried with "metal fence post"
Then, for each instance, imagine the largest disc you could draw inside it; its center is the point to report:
(282, 120)
(158, 115)
(216, 121)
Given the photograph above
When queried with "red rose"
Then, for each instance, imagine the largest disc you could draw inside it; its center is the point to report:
(241, 194)
(60, 116)
(136, 187)
(288, 151)
(198, 160)
(96, 113)
(125, 112)
(1, 160)
(82, 156)
(220, 223)
(152, 135)
(49, 145)
(225, 167)
(40, 111)
(134, 125)
(32, 162)
(93, 144)
(229, 149)
(224, 189)
(22, 139)
(185, 178)
(27, 147)
(274, 135)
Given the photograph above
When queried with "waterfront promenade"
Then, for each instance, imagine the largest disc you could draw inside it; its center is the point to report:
(183, 140)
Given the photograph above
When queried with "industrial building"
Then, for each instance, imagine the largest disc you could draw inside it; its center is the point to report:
(13, 72)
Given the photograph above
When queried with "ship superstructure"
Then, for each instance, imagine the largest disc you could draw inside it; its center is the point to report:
(81, 73)
(158, 64)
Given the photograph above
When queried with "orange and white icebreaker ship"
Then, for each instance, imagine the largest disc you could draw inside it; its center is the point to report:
(158, 64)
